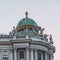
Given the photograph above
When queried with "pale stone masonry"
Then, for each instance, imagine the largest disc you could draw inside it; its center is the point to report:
(26, 42)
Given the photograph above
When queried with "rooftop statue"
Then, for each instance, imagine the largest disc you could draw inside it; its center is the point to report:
(41, 32)
(14, 32)
(51, 40)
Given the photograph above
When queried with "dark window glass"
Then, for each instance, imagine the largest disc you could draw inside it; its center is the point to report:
(21, 54)
(39, 56)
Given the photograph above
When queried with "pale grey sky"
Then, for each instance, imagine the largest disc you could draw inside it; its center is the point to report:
(45, 12)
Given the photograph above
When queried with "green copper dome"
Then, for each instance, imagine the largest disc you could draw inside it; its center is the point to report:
(26, 25)
(26, 21)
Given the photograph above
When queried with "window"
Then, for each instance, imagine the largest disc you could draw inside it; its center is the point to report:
(5, 55)
(21, 54)
(43, 56)
(39, 56)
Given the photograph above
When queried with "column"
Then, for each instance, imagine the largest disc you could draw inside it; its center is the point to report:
(51, 54)
(11, 54)
(41, 56)
(51, 57)
(32, 57)
(0, 54)
(15, 54)
(27, 54)
(46, 58)
(36, 55)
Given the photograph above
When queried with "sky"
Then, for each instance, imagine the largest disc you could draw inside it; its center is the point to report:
(46, 13)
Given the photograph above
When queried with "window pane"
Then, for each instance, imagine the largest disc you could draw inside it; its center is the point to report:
(21, 54)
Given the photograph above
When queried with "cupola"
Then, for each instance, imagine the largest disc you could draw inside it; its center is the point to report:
(28, 23)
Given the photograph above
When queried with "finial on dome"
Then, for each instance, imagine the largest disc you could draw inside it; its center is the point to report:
(26, 13)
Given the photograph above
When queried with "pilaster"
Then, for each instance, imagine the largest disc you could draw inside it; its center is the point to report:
(27, 54)
(15, 54)
(0, 54)
(51, 57)
(46, 56)
(32, 57)
(36, 55)
(10, 54)
(41, 56)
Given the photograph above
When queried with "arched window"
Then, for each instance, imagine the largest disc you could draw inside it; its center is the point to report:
(5, 55)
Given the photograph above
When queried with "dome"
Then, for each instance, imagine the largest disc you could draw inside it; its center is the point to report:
(27, 21)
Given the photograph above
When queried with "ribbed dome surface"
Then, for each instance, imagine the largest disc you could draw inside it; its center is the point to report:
(26, 21)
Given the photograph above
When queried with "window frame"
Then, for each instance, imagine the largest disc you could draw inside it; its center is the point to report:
(5, 55)
(19, 54)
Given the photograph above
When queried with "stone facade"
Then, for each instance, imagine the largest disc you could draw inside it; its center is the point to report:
(31, 44)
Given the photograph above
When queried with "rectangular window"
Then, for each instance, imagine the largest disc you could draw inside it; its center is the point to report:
(5, 55)
(21, 54)
(39, 56)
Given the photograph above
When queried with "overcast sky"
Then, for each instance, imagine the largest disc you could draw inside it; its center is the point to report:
(45, 12)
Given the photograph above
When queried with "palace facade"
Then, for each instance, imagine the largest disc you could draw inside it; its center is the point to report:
(26, 42)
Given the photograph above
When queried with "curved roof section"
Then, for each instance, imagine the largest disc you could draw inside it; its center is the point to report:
(27, 21)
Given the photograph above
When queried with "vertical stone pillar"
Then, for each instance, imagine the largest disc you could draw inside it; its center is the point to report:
(27, 54)
(11, 54)
(41, 56)
(15, 54)
(36, 55)
(46, 56)
(32, 55)
(51, 57)
(51, 54)
(0, 54)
